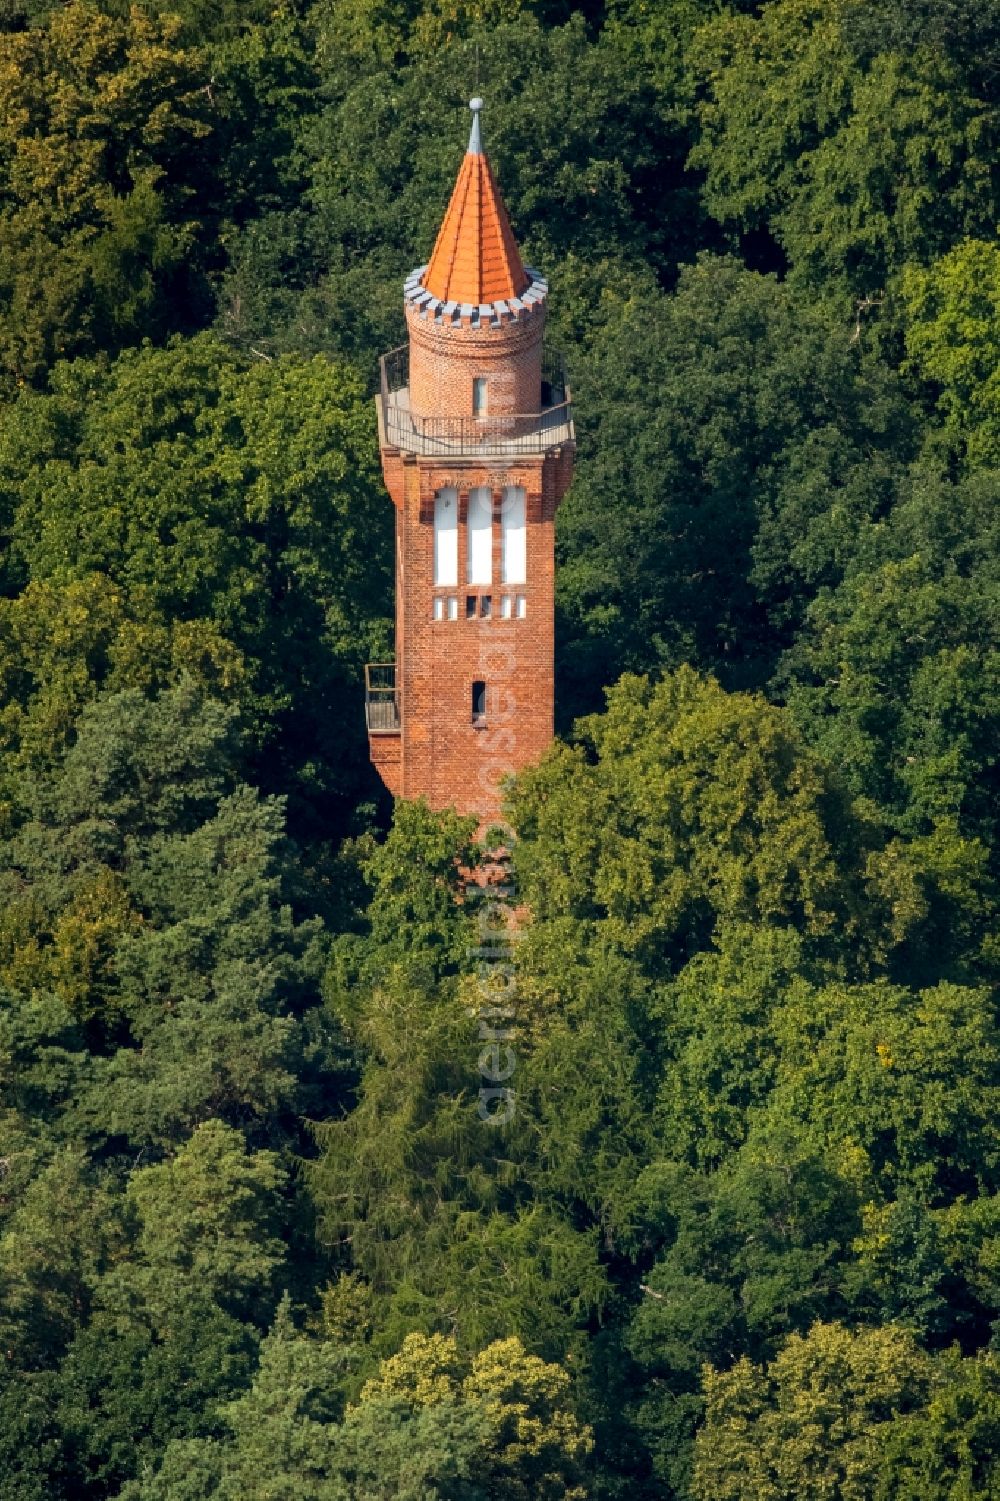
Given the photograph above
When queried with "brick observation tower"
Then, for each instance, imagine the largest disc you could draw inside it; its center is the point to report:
(477, 442)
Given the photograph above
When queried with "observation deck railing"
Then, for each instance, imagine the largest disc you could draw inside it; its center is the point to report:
(490, 436)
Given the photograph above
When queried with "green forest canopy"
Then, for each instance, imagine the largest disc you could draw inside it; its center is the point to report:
(740, 1239)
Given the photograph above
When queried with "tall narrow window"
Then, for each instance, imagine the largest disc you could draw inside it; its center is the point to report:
(446, 537)
(513, 536)
(478, 702)
(479, 396)
(480, 530)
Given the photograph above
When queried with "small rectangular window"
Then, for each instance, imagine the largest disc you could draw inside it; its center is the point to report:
(470, 607)
(505, 607)
(439, 608)
(486, 606)
(522, 607)
(479, 396)
(478, 702)
(452, 608)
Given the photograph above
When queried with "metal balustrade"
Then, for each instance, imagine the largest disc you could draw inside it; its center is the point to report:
(500, 435)
(381, 699)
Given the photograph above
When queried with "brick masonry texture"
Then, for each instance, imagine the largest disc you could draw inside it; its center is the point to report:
(444, 361)
(442, 755)
(442, 752)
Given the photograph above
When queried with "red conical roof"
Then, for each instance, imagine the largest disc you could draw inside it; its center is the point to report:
(475, 257)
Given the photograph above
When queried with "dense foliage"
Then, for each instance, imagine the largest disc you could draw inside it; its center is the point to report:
(739, 1240)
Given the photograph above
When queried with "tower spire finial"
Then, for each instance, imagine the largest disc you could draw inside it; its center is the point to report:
(475, 139)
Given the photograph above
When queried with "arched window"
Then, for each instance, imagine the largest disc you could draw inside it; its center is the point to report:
(513, 536)
(446, 537)
(480, 529)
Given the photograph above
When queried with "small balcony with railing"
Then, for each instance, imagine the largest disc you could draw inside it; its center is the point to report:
(381, 698)
(498, 436)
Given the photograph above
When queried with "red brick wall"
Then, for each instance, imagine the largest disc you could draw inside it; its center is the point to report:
(445, 757)
(387, 758)
(441, 754)
(444, 360)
